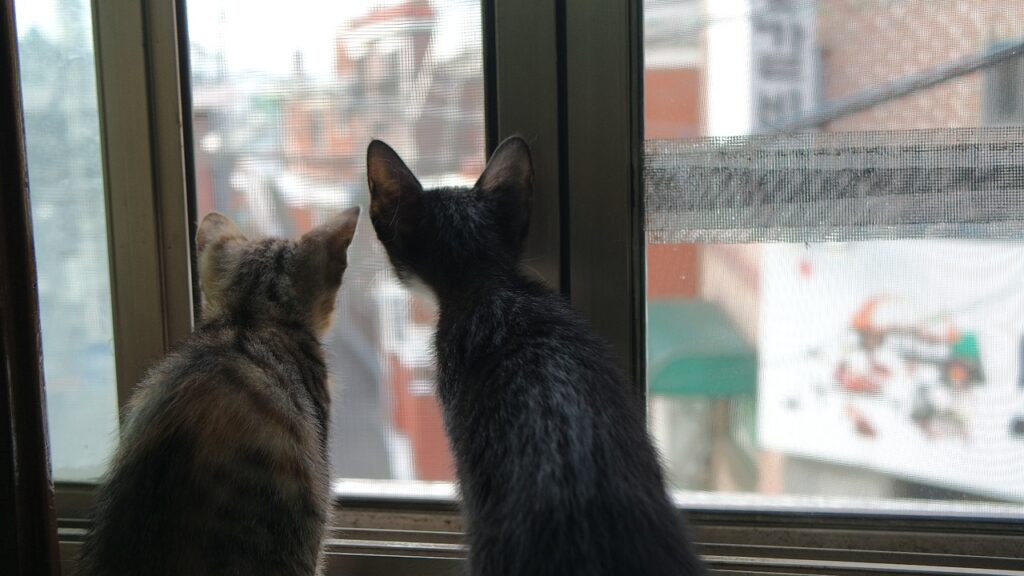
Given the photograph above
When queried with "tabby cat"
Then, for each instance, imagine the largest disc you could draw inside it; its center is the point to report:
(222, 465)
(557, 473)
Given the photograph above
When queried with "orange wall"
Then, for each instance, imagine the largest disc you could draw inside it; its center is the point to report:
(673, 270)
(672, 110)
(419, 418)
(671, 103)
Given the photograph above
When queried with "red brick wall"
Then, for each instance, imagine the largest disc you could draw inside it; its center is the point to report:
(672, 110)
(672, 103)
(673, 270)
(867, 43)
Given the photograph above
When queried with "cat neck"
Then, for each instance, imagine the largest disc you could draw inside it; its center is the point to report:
(473, 288)
(245, 320)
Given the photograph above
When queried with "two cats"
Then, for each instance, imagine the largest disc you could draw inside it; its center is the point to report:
(222, 465)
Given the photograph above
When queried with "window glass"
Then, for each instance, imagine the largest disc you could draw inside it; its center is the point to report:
(834, 260)
(284, 104)
(62, 136)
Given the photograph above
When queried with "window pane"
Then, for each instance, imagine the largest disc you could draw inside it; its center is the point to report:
(284, 104)
(834, 259)
(58, 81)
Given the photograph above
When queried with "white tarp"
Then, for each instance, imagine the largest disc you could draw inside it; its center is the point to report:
(898, 356)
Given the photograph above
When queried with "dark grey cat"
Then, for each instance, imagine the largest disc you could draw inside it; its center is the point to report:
(222, 466)
(557, 473)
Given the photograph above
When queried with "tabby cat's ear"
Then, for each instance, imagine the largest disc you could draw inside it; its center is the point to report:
(508, 178)
(216, 233)
(394, 191)
(325, 247)
(323, 259)
(216, 229)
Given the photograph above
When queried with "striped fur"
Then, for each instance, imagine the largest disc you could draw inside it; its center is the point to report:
(222, 466)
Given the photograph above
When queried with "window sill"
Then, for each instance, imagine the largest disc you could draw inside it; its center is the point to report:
(415, 528)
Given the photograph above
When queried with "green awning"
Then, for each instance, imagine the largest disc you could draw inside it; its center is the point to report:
(693, 349)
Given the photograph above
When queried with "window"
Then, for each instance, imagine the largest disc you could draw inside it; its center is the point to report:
(832, 313)
(66, 184)
(1004, 90)
(832, 257)
(283, 127)
(796, 222)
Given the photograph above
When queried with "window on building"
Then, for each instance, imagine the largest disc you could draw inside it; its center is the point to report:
(1004, 91)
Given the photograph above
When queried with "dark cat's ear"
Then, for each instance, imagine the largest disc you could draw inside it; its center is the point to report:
(508, 178)
(323, 259)
(394, 191)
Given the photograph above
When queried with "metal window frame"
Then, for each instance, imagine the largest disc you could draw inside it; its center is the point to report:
(149, 223)
(143, 149)
(525, 87)
(604, 111)
(567, 76)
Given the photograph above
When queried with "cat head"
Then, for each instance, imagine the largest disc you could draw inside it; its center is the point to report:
(446, 236)
(272, 279)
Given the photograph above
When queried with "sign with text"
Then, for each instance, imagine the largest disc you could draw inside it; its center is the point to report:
(783, 61)
(761, 64)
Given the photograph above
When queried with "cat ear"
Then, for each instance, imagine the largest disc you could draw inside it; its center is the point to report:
(323, 259)
(509, 171)
(392, 184)
(216, 228)
(509, 177)
(326, 246)
(215, 233)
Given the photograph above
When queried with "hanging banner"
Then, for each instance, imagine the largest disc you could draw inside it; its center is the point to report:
(903, 357)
